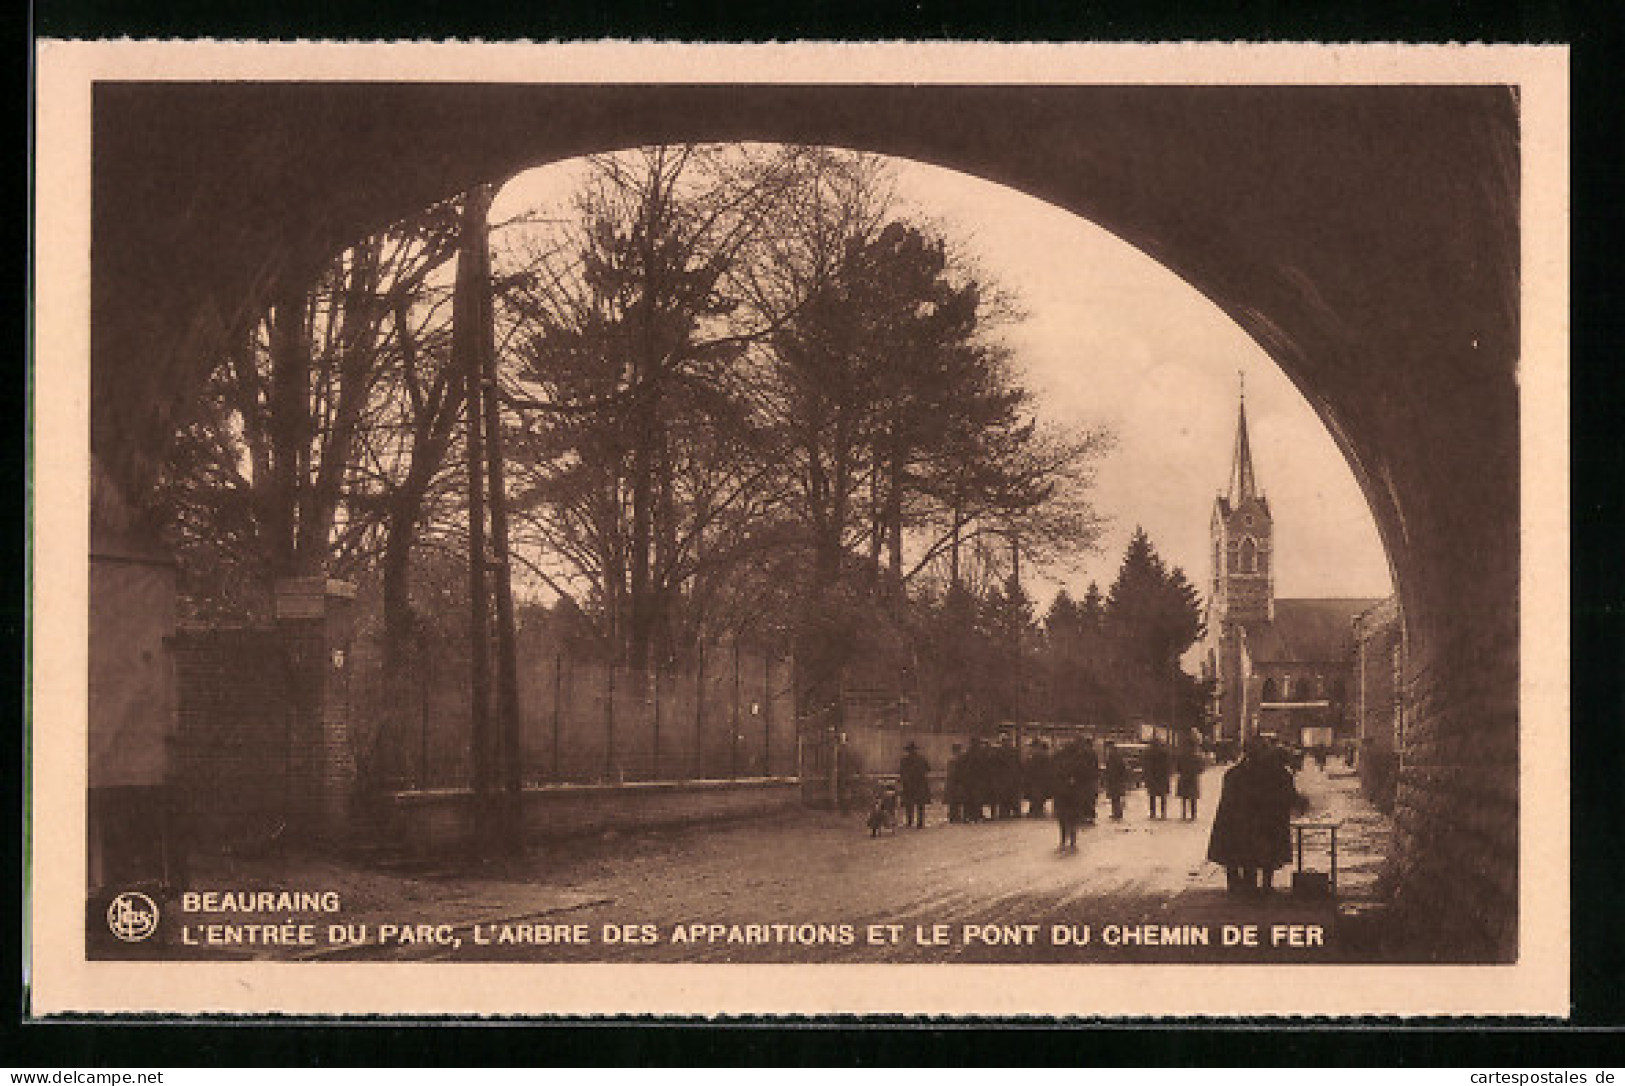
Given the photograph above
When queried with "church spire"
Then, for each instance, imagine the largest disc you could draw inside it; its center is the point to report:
(1243, 487)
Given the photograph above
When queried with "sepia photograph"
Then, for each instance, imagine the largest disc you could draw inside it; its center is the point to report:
(800, 530)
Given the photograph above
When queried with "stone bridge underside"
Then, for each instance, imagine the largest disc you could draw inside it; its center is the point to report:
(1366, 237)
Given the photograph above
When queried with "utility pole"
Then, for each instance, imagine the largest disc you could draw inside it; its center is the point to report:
(467, 347)
(495, 741)
(733, 728)
(1016, 623)
(509, 776)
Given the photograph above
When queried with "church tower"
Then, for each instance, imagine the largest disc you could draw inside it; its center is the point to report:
(1276, 666)
(1241, 593)
(1243, 543)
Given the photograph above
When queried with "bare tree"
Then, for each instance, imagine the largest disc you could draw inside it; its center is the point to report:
(625, 350)
(275, 474)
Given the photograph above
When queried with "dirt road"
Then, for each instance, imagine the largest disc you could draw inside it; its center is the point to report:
(813, 886)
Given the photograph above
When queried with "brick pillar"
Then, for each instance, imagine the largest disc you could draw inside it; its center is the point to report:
(315, 621)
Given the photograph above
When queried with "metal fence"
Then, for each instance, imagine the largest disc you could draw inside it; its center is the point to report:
(729, 715)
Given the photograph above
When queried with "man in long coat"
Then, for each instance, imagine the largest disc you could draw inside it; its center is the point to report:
(1072, 770)
(977, 784)
(1117, 779)
(1038, 776)
(1159, 766)
(1007, 775)
(1251, 827)
(1190, 766)
(914, 780)
(953, 789)
(1088, 778)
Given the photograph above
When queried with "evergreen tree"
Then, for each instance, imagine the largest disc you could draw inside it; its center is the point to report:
(1063, 622)
(1152, 615)
(1153, 611)
(1092, 611)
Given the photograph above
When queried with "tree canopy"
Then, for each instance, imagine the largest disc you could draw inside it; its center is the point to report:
(738, 392)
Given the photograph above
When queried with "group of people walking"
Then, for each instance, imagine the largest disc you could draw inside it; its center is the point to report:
(1250, 838)
(988, 781)
(1079, 777)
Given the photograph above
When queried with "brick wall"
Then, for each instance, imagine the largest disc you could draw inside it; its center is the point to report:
(235, 713)
(1439, 748)
(262, 750)
(1455, 867)
(1376, 704)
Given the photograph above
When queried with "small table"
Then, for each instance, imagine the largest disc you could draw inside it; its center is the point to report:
(1302, 826)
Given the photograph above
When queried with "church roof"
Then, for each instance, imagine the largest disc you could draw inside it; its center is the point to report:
(1307, 631)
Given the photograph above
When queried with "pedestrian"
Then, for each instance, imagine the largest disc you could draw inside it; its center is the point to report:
(1007, 777)
(1038, 776)
(953, 789)
(1116, 779)
(1089, 774)
(1074, 791)
(883, 814)
(976, 779)
(1190, 781)
(1158, 769)
(992, 779)
(914, 775)
(1251, 835)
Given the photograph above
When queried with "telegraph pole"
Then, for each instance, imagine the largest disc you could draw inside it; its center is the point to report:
(467, 344)
(1016, 632)
(509, 776)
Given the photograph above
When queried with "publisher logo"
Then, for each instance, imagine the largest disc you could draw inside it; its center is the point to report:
(132, 916)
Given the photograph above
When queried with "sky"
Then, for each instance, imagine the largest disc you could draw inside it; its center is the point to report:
(1110, 336)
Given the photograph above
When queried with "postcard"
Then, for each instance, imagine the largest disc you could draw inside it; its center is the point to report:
(1052, 531)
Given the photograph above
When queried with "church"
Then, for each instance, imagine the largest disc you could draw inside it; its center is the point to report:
(1281, 667)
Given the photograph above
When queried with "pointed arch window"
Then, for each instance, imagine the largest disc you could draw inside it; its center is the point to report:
(1249, 555)
(1270, 691)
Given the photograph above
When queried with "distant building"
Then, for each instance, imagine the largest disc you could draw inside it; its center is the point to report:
(1281, 666)
(1379, 708)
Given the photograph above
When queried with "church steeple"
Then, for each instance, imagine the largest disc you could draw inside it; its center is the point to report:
(1243, 486)
(1243, 540)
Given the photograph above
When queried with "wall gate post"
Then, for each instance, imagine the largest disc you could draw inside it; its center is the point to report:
(315, 628)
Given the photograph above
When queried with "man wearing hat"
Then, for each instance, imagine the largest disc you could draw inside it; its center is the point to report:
(956, 788)
(914, 780)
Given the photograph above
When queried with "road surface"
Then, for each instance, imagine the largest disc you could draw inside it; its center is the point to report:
(815, 887)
